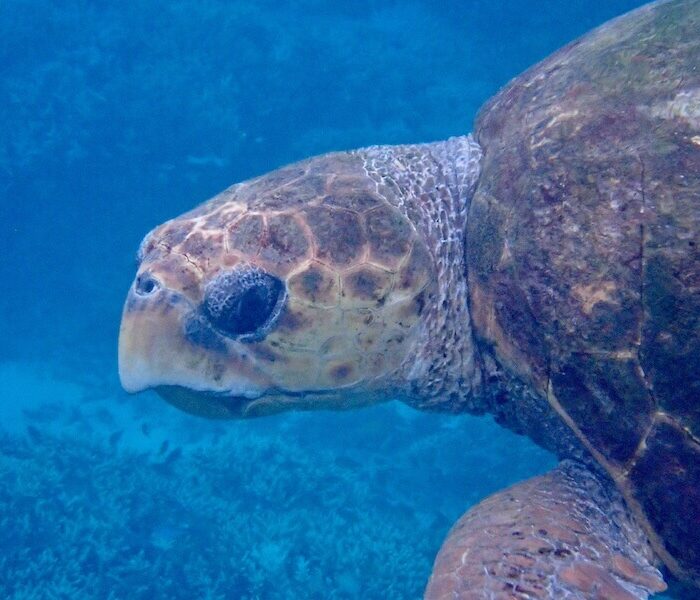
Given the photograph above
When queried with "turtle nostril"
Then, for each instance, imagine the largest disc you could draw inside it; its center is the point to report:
(146, 285)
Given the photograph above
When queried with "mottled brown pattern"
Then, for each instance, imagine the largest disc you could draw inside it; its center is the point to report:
(285, 245)
(339, 236)
(292, 321)
(583, 237)
(316, 284)
(149, 250)
(670, 353)
(218, 221)
(562, 535)
(664, 481)
(608, 398)
(368, 284)
(175, 233)
(203, 247)
(297, 194)
(246, 234)
(389, 235)
(343, 195)
(415, 273)
(173, 269)
(345, 191)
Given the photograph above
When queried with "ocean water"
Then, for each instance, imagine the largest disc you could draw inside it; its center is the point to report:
(117, 116)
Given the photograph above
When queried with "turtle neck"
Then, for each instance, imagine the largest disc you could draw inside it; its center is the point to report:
(432, 185)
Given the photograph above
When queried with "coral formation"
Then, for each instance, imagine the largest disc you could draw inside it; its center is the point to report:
(279, 508)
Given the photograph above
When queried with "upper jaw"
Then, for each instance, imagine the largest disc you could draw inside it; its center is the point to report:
(159, 347)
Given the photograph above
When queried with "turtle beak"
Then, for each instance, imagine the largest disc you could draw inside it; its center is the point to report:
(151, 341)
(163, 345)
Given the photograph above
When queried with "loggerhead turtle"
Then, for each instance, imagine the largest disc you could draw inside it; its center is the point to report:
(545, 269)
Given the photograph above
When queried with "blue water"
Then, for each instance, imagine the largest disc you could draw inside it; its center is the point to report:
(116, 116)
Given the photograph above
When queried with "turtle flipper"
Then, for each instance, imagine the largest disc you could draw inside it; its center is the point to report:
(566, 534)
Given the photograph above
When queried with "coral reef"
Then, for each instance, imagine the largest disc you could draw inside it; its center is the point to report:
(316, 505)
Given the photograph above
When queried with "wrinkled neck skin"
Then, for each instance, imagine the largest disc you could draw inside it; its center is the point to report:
(432, 184)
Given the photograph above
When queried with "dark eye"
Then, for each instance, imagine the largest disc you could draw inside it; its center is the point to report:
(244, 303)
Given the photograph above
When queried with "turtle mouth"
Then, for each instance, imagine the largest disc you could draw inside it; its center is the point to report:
(213, 405)
(221, 405)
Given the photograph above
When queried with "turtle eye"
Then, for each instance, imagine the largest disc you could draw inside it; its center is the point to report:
(244, 303)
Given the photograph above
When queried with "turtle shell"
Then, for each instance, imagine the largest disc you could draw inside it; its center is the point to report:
(583, 247)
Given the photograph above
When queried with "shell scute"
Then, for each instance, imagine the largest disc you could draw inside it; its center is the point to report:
(175, 232)
(204, 247)
(221, 218)
(389, 235)
(301, 192)
(608, 399)
(285, 244)
(339, 238)
(346, 191)
(415, 274)
(246, 234)
(306, 327)
(663, 481)
(584, 271)
(366, 286)
(316, 284)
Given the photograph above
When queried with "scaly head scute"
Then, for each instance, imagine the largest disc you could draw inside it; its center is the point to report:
(306, 287)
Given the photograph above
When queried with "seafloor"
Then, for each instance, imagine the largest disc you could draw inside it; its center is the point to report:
(116, 116)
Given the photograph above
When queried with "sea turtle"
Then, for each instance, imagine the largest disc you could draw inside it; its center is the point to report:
(545, 269)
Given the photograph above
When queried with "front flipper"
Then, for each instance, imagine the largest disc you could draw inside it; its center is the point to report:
(564, 535)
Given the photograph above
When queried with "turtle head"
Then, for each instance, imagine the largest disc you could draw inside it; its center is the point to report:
(302, 288)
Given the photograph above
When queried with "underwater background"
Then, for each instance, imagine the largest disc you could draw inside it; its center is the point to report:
(117, 116)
